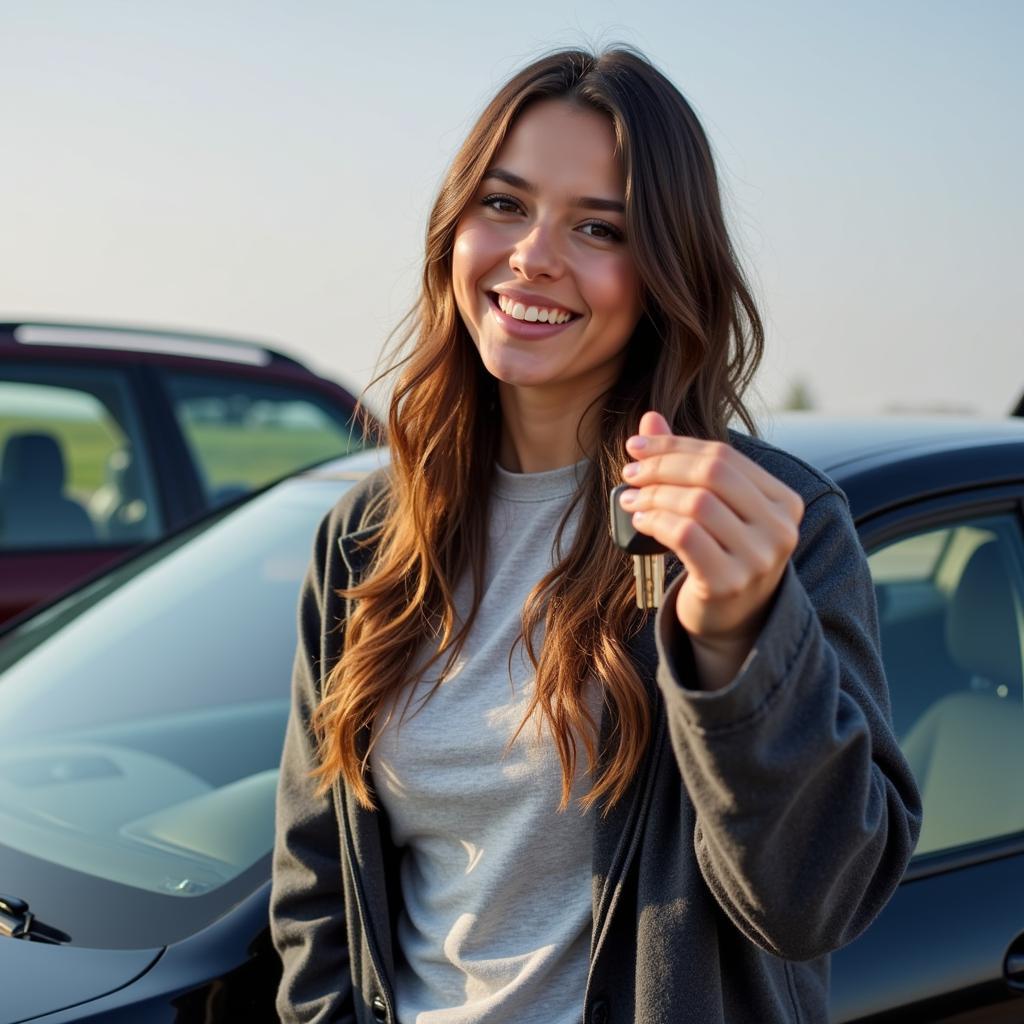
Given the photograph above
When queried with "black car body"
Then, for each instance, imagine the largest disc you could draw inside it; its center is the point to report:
(136, 778)
(113, 437)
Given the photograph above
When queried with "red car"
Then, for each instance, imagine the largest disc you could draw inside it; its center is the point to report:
(112, 437)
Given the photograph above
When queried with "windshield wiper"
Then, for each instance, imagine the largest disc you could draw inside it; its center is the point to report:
(18, 922)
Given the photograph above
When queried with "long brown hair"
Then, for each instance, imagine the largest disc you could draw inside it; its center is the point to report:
(691, 357)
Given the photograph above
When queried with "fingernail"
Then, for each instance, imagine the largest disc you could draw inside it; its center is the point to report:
(630, 470)
(628, 497)
(639, 517)
(638, 442)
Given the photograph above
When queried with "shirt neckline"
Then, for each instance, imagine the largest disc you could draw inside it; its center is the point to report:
(552, 483)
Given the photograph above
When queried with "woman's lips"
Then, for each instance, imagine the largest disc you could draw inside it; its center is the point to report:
(524, 328)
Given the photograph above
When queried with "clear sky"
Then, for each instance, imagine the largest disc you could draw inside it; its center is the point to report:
(265, 168)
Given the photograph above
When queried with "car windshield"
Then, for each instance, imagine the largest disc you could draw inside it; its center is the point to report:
(142, 722)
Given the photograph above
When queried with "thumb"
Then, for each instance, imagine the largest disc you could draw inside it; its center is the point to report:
(653, 423)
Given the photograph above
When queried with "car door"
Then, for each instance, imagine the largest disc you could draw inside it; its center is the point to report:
(949, 576)
(77, 487)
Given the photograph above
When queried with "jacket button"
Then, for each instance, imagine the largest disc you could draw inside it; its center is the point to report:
(599, 1013)
(379, 1008)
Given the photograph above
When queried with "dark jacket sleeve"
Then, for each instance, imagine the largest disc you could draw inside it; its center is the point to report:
(307, 914)
(807, 812)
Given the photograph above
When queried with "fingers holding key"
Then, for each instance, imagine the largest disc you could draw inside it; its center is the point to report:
(665, 510)
(729, 521)
(718, 487)
(702, 529)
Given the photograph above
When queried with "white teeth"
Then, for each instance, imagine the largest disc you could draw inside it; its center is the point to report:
(532, 314)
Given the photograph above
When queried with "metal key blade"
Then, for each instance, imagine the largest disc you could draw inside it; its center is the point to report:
(649, 571)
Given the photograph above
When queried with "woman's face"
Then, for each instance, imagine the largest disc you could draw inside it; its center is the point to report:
(541, 271)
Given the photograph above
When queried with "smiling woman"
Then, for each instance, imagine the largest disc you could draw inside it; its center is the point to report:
(545, 803)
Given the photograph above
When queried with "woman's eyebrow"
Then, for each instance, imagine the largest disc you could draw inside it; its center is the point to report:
(583, 202)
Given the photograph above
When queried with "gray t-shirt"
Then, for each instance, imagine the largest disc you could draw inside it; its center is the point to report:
(496, 882)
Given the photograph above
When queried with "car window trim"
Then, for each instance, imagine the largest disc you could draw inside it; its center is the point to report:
(926, 865)
(936, 512)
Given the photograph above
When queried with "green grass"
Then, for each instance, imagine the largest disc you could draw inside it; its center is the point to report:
(254, 456)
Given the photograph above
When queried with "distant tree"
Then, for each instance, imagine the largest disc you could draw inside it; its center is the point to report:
(799, 397)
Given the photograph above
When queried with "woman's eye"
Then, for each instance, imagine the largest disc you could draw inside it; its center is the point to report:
(501, 203)
(602, 230)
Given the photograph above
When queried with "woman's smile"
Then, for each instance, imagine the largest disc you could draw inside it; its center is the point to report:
(531, 308)
(529, 321)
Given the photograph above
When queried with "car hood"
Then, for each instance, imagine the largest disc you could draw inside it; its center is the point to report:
(37, 979)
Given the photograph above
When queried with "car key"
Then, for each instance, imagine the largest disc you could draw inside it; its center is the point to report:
(648, 554)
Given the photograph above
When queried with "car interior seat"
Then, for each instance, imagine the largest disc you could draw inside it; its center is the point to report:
(967, 750)
(33, 507)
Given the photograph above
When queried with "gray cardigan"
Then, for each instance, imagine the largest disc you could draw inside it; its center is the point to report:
(769, 824)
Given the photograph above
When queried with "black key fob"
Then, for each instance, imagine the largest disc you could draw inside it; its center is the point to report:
(625, 534)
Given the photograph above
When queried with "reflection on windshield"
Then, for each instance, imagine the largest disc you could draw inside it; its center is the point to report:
(142, 734)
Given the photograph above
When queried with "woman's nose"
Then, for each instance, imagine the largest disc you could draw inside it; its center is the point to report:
(536, 254)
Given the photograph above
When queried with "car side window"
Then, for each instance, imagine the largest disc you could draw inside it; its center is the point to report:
(73, 469)
(951, 614)
(245, 434)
